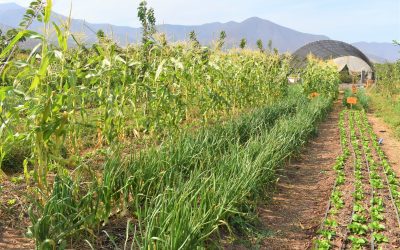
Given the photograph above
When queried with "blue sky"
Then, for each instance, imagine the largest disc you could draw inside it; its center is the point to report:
(346, 20)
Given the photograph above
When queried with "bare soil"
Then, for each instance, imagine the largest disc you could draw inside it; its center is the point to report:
(13, 217)
(392, 231)
(299, 205)
(343, 216)
(390, 145)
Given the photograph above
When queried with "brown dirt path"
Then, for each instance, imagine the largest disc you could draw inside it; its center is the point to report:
(14, 239)
(391, 146)
(302, 195)
(13, 217)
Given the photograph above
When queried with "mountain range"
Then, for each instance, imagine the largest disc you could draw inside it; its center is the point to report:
(283, 38)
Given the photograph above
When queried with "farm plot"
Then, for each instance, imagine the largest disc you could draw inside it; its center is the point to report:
(177, 140)
(363, 211)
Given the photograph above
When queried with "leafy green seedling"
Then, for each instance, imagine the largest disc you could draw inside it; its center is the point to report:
(323, 244)
(11, 202)
(358, 228)
(357, 242)
(328, 234)
(380, 238)
(331, 223)
(376, 226)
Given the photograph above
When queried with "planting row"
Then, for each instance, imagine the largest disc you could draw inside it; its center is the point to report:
(365, 200)
(179, 194)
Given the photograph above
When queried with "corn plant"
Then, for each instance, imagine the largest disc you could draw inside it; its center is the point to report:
(79, 110)
(320, 77)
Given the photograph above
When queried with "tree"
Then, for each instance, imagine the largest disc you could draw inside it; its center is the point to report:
(193, 39)
(11, 33)
(260, 45)
(100, 34)
(2, 41)
(270, 45)
(221, 40)
(5, 39)
(148, 20)
(104, 40)
(243, 43)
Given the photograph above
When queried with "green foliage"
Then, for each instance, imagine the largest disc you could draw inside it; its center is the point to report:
(260, 45)
(3, 41)
(363, 99)
(184, 178)
(148, 20)
(15, 156)
(357, 242)
(106, 95)
(388, 109)
(9, 42)
(328, 234)
(380, 238)
(35, 11)
(388, 79)
(337, 200)
(386, 95)
(221, 40)
(345, 77)
(367, 220)
(323, 244)
(71, 102)
(12, 33)
(193, 39)
(270, 45)
(320, 77)
(100, 34)
(243, 43)
(347, 93)
(183, 191)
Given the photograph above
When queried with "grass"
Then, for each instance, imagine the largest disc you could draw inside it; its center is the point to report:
(388, 109)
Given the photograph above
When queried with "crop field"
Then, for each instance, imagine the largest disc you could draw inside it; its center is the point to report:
(165, 145)
(365, 201)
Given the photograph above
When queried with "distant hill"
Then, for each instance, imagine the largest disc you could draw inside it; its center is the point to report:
(376, 59)
(386, 51)
(252, 29)
(4, 27)
(283, 38)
